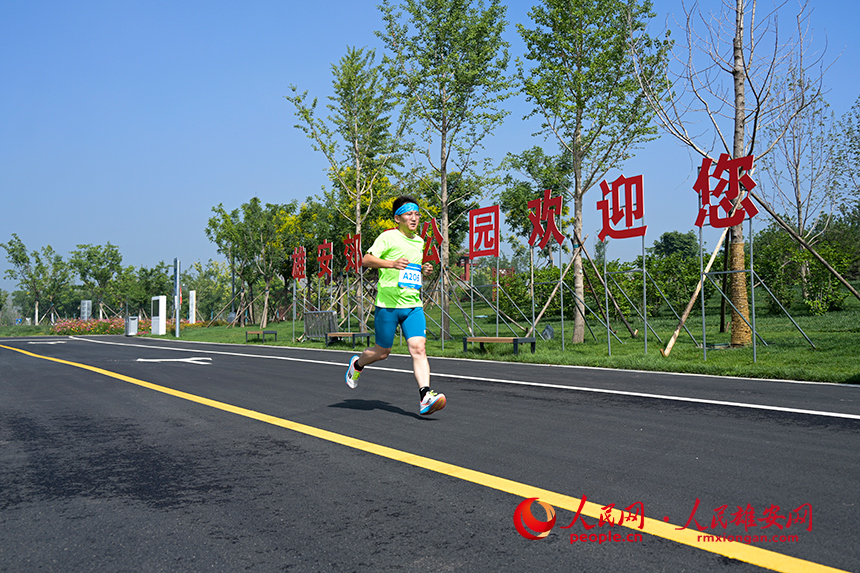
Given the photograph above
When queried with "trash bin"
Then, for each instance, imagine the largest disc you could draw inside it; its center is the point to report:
(131, 326)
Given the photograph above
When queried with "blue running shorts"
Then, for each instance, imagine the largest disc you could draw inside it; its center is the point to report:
(411, 321)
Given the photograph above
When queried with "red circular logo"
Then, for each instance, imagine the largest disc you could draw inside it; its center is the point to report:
(523, 518)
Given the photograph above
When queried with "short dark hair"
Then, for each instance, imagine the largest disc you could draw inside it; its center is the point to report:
(400, 201)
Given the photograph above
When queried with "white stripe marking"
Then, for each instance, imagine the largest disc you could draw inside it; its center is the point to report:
(513, 382)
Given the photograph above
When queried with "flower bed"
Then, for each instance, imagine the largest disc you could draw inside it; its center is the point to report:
(114, 325)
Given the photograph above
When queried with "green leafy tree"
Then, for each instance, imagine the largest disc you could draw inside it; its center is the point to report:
(684, 245)
(224, 229)
(583, 85)
(358, 139)
(96, 266)
(553, 172)
(212, 285)
(44, 275)
(451, 62)
(4, 303)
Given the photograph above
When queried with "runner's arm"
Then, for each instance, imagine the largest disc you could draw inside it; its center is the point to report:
(374, 262)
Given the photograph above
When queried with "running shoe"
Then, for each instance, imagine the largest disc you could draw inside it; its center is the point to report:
(432, 402)
(352, 374)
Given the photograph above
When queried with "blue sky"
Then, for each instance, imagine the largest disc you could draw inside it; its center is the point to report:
(127, 121)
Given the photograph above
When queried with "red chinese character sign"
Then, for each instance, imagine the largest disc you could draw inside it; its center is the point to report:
(730, 189)
(545, 210)
(299, 257)
(353, 252)
(622, 207)
(431, 249)
(484, 236)
(324, 256)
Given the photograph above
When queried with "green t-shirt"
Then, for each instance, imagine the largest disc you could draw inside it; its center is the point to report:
(392, 245)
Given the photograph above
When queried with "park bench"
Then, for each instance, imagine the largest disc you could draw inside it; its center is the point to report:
(323, 324)
(260, 333)
(516, 341)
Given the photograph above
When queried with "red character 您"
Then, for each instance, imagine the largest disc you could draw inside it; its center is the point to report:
(545, 210)
(484, 232)
(730, 189)
(614, 210)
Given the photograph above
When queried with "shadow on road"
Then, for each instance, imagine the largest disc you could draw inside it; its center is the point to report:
(368, 405)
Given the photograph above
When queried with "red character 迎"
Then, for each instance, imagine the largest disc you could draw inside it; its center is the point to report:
(614, 211)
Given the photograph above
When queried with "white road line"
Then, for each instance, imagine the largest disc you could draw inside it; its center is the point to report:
(512, 382)
(194, 360)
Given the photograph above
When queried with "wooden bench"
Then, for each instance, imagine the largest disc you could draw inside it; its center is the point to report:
(260, 333)
(323, 324)
(499, 340)
(335, 336)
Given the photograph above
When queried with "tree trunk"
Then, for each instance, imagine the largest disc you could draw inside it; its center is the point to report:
(741, 333)
(445, 251)
(578, 282)
(264, 321)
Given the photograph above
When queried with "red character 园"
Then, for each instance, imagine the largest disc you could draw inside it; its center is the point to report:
(484, 232)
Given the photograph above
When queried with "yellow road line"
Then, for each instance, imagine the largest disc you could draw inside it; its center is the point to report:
(734, 550)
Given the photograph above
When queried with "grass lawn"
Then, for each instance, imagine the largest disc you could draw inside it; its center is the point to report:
(787, 355)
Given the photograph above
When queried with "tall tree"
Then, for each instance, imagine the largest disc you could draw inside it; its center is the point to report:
(4, 298)
(801, 165)
(451, 63)
(847, 155)
(224, 229)
(583, 85)
(96, 266)
(553, 172)
(259, 236)
(44, 275)
(359, 139)
(727, 80)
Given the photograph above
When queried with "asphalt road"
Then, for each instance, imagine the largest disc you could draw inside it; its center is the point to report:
(244, 457)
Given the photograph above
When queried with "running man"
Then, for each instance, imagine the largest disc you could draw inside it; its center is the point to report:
(398, 253)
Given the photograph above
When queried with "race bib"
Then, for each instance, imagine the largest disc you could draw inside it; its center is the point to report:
(410, 277)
